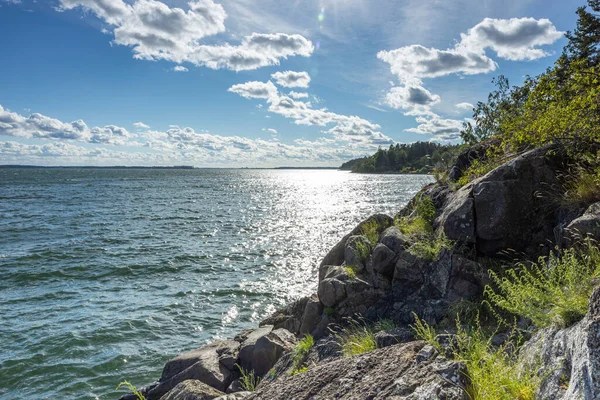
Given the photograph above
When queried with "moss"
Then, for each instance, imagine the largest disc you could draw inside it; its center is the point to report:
(351, 271)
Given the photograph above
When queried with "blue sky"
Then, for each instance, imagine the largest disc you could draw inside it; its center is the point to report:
(255, 83)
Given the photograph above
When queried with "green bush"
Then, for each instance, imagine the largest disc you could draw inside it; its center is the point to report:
(430, 248)
(363, 251)
(370, 230)
(552, 291)
(301, 351)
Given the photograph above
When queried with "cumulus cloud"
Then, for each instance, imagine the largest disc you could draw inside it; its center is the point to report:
(141, 125)
(43, 127)
(410, 97)
(156, 31)
(298, 95)
(180, 68)
(292, 79)
(465, 106)
(444, 129)
(352, 129)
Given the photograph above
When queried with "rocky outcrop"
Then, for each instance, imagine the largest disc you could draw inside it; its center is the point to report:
(393, 372)
(569, 359)
(586, 226)
(192, 390)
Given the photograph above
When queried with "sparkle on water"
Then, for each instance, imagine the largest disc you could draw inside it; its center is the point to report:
(106, 274)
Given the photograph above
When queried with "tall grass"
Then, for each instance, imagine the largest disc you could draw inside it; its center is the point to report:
(132, 389)
(370, 230)
(363, 250)
(301, 351)
(358, 336)
(552, 291)
(582, 186)
(248, 380)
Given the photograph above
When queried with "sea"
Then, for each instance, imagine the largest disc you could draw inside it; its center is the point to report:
(105, 274)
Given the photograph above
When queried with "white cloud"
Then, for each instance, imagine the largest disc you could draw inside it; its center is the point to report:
(345, 128)
(410, 97)
(141, 125)
(511, 39)
(270, 130)
(444, 129)
(298, 95)
(180, 68)
(255, 90)
(156, 31)
(292, 79)
(465, 106)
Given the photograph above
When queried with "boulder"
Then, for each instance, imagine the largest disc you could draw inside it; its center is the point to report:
(311, 316)
(393, 337)
(383, 260)
(192, 390)
(248, 340)
(235, 396)
(586, 226)
(269, 348)
(331, 291)
(394, 240)
(381, 374)
(289, 317)
(457, 219)
(351, 256)
(569, 358)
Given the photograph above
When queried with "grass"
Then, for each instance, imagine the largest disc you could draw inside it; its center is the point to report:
(358, 336)
(363, 251)
(301, 351)
(552, 291)
(582, 187)
(430, 248)
(495, 373)
(351, 271)
(132, 389)
(370, 230)
(248, 380)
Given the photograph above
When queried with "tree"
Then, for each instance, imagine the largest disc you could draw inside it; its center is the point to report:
(584, 42)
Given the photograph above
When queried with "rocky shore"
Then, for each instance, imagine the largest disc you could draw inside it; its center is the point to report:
(511, 213)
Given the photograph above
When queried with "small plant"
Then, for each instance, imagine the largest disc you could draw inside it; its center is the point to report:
(351, 271)
(426, 209)
(363, 251)
(370, 230)
(552, 291)
(301, 351)
(385, 325)
(424, 331)
(298, 371)
(582, 187)
(430, 248)
(249, 381)
(132, 389)
(356, 338)
(415, 226)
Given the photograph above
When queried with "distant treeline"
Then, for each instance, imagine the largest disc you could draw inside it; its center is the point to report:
(419, 157)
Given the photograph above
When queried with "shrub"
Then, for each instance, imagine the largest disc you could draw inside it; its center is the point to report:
(363, 251)
(430, 248)
(582, 187)
(415, 226)
(426, 209)
(301, 351)
(370, 230)
(248, 380)
(351, 271)
(132, 389)
(552, 291)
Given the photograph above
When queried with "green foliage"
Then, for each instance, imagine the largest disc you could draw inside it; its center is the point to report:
(385, 325)
(419, 157)
(426, 209)
(414, 226)
(301, 351)
(370, 230)
(132, 389)
(424, 331)
(358, 336)
(584, 42)
(363, 251)
(351, 271)
(248, 380)
(552, 291)
(582, 187)
(494, 158)
(430, 248)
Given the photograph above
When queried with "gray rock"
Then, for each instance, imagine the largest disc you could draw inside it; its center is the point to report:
(394, 337)
(351, 256)
(192, 390)
(426, 353)
(235, 386)
(331, 291)
(394, 240)
(235, 396)
(289, 317)
(457, 220)
(588, 225)
(246, 356)
(269, 348)
(311, 316)
(389, 373)
(569, 358)
(383, 260)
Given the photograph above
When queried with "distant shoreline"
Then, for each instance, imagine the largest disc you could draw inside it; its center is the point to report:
(9, 166)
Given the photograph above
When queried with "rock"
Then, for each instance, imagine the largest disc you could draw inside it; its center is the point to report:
(336, 255)
(426, 353)
(192, 390)
(269, 348)
(209, 364)
(250, 338)
(235, 386)
(569, 358)
(289, 317)
(331, 291)
(588, 225)
(394, 337)
(466, 158)
(312, 314)
(235, 396)
(351, 256)
(381, 374)
(394, 240)
(383, 260)
(457, 219)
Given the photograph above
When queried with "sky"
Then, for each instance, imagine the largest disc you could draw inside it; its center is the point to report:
(255, 83)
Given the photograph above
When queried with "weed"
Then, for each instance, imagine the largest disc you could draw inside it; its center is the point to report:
(415, 226)
(426, 209)
(370, 230)
(298, 371)
(351, 271)
(363, 251)
(582, 187)
(385, 325)
(132, 389)
(249, 381)
(301, 351)
(551, 291)
(356, 338)
(425, 332)
(430, 248)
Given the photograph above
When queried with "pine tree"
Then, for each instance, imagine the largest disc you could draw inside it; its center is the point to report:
(584, 42)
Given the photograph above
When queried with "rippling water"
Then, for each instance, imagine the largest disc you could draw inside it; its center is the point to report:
(106, 274)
